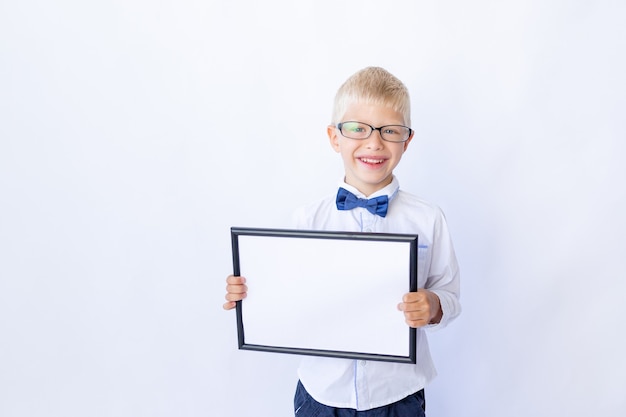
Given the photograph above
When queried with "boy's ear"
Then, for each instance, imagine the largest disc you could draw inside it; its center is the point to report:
(332, 136)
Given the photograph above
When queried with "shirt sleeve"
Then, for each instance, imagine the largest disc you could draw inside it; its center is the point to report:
(444, 275)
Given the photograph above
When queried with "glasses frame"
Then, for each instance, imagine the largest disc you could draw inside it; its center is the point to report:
(380, 132)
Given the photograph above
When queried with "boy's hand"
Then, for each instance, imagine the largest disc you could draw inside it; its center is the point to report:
(236, 290)
(421, 308)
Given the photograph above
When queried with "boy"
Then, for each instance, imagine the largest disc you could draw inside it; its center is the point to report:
(370, 130)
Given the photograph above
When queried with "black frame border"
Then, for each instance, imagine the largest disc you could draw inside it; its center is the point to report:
(412, 239)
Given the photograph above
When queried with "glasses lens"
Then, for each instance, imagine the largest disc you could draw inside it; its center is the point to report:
(355, 130)
(395, 133)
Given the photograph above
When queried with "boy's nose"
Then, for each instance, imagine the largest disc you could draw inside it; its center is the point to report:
(375, 140)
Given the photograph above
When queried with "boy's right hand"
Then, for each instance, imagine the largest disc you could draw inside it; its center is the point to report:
(236, 290)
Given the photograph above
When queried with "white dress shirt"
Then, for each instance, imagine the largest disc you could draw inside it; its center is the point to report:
(363, 385)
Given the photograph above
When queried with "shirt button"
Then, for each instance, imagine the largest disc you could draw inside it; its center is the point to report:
(368, 230)
(363, 363)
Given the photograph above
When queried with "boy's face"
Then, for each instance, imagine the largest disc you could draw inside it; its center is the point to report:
(369, 163)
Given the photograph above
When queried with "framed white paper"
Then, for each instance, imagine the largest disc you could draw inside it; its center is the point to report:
(325, 293)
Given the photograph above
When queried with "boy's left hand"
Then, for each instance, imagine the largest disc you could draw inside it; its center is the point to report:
(421, 308)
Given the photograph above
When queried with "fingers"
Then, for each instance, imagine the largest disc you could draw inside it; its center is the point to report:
(417, 317)
(417, 309)
(236, 285)
(236, 290)
(413, 301)
(417, 323)
(235, 280)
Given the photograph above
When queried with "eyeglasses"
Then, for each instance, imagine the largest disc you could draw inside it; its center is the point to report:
(360, 131)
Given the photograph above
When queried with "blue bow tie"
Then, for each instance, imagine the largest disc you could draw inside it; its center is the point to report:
(347, 201)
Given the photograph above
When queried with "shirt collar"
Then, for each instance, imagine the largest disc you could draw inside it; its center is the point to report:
(390, 190)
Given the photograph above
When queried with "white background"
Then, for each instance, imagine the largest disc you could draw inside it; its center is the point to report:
(133, 134)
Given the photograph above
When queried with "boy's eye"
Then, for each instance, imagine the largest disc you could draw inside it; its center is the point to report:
(354, 128)
(390, 131)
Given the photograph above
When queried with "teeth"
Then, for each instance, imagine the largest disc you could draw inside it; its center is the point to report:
(372, 161)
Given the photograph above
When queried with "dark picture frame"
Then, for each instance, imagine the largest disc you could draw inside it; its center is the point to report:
(301, 301)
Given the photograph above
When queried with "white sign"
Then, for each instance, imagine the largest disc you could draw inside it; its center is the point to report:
(325, 293)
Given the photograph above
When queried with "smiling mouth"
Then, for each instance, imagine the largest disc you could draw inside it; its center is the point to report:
(371, 160)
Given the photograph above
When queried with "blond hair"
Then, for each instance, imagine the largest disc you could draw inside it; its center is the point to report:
(372, 85)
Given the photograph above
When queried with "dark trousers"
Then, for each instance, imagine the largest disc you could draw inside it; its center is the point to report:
(305, 406)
